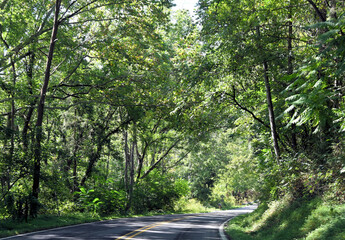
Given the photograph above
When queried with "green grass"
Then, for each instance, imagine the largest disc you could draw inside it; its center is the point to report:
(12, 227)
(185, 205)
(291, 220)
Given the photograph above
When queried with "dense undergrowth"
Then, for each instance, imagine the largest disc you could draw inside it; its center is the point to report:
(289, 219)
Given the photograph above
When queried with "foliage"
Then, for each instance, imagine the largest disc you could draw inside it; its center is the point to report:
(231, 180)
(129, 98)
(192, 205)
(87, 202)
(202, 166)
(107, 198)
(286, 219)
(12, 227)
(158, 192)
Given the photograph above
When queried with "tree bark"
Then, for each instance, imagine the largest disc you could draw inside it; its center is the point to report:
(273, 128)
(125, 139)
(40, 109)
(141, 159)
(27, 120)
(290, 71)
(131, 176)
(322, 14)
(271, 112)
(92, 161)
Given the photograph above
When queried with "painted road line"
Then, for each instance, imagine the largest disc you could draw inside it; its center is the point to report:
(51, 229)
(221, 229)
(136, 232)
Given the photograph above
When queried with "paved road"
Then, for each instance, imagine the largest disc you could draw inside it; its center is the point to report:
(181, 226)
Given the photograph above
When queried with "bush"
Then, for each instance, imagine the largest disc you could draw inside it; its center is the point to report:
(19, 206)
(158, 192)
(193, 205)
(155, 192)
(104, 199)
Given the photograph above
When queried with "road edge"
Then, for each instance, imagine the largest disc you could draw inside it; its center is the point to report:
(86, 223)
(221, 230)
(51, 229)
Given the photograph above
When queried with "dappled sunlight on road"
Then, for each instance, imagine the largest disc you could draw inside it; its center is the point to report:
(179, 226)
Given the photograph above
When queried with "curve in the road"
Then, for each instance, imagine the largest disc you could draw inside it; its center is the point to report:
(136, 232)
(168, 227)
(221, 229)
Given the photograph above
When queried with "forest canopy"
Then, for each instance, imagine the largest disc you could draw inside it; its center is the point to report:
(127, 106)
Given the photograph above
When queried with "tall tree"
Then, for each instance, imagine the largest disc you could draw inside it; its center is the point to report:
(40, 110)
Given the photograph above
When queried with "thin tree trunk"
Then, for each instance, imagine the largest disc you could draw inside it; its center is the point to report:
(75, 177)
(11, 116)
(73, 162)
(108, 164)
(13, 106)
(40, 109)
(271, 112)
(156, 164)
(269, 103)
(131, 177)
(153, 156)
(141, 159)
(29, 73)
(125, 139)
(92, 161)
(290, 71)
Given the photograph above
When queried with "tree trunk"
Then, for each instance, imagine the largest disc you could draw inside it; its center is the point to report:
(271, 112)
(13, 107)
(92, 161)
(131, 177)
(27, 120)
(130, 167)
(125, 139)
(141, 159)
(75, 177)
(290, 71)
(273, 128)
(40, 109)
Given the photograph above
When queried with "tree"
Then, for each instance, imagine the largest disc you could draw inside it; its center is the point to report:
(82, 72)
(40, 110)
(259, 50)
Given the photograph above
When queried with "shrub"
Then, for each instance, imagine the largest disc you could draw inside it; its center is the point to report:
(158, 192)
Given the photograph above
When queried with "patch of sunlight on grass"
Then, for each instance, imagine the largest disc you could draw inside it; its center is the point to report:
(286, 220)
(185, 205)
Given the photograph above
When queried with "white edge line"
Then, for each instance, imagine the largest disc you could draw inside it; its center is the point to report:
(76, 225)
(53, 229)
(221, 229)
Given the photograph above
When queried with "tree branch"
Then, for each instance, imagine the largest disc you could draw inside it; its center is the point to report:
(160, 159)
(319, 13)
(233, 97)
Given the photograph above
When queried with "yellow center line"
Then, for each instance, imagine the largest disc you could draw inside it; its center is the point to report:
(137, 230)
(148, 227)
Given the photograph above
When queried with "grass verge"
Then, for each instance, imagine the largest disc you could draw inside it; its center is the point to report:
(291, 220)
(13, 227)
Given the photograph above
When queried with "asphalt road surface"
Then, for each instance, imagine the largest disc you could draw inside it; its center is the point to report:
(206, 226)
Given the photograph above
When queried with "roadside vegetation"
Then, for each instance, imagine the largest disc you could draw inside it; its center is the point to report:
(288, 219)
